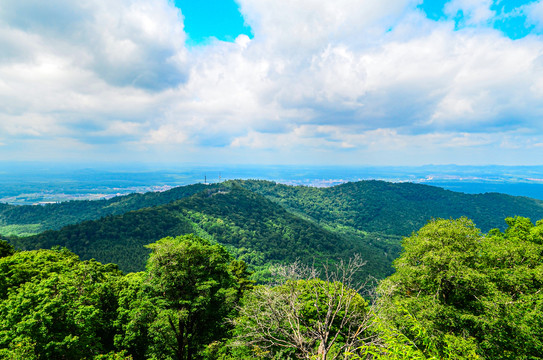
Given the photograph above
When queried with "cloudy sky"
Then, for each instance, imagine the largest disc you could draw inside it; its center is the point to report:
(367, 82)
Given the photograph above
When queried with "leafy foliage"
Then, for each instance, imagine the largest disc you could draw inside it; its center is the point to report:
(394, 345)
(457, 293)
(6, 248)
(193, 290)
(469, 288)
(54, 306)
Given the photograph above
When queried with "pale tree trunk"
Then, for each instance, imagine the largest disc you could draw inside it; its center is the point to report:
(322, 351)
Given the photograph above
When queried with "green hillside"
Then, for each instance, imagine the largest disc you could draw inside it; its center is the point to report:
(32, 219)
(394, 208)
(369, 206)
(260, 221)
(252, 227)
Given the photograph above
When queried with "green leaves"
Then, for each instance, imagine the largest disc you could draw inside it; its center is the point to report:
(466, 287)
(55, 306)
(5, 248)
(189, 289)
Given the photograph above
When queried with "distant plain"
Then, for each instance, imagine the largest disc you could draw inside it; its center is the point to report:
(39, 183)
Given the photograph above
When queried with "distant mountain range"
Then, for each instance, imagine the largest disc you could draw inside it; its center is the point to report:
(261, 222)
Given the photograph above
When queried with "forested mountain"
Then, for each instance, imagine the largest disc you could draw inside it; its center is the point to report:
(262, 222)
(395, 208)
(374, 206)
(31, 219)
(458, 292)
(252, 227)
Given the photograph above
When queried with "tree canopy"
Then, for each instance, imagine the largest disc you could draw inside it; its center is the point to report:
(193, 289)
(55, 306)
(479, 292)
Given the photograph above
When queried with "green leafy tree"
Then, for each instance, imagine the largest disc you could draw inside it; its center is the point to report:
(136, 313)
(392, 344)
(53, 306)
(191, 286)
(471, 292)
(6, 249)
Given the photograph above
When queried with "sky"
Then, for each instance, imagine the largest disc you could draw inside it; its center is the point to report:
(309, 82)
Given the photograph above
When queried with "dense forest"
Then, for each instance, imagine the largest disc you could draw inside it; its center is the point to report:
(457, 293)
(394, 208)
(260, 222)
(255, 270)
(30, 220)
(370, 206)
(253, 228)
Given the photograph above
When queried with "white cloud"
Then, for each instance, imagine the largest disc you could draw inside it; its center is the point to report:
(474, 11)
(298, 26)
(125, 42)
(319, 79)
(534, 14)
(30, 126)
(166, 134)
(494, 81)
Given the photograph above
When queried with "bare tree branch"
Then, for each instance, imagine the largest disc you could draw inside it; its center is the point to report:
(316, 314)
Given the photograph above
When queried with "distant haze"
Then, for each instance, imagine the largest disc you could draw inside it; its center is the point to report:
(32, 183)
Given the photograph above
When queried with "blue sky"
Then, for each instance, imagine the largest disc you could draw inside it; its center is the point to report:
(221, 19)
(507, 15)
(207, 19)
(401, 82)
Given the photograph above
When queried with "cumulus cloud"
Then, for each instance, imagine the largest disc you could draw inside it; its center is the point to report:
(472, 12)
(298, 26)
(534, 14)
(88, 71)
(125, 42)
(319, 79)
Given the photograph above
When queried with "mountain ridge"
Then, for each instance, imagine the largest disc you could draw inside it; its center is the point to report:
(263, 222)
(385, 199)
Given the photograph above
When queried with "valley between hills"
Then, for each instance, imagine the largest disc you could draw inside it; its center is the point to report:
(259, 222)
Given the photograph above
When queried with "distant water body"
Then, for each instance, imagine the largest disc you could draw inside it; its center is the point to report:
(35, 183)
